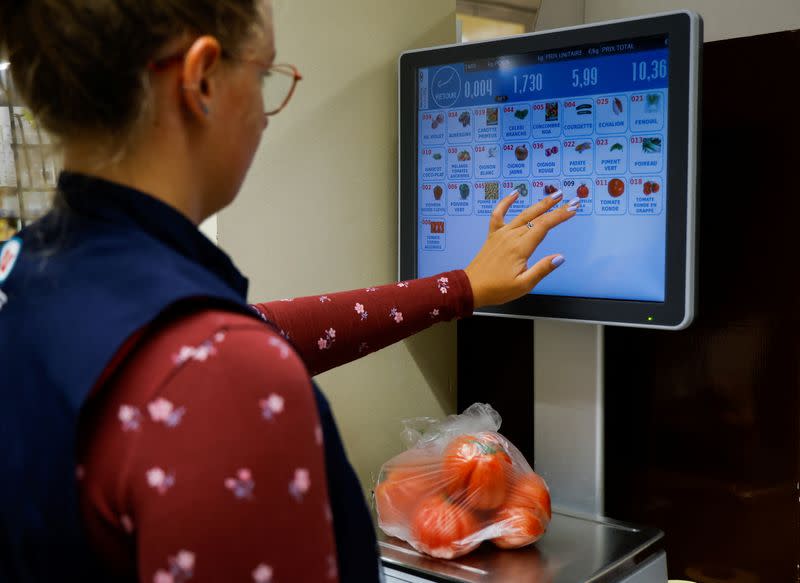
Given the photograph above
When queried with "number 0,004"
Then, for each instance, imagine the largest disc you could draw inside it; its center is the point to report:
(480, 88)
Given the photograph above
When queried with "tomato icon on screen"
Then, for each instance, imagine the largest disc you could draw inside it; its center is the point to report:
(616, 187)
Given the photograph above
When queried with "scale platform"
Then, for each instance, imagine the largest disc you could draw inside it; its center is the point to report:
(575, 549)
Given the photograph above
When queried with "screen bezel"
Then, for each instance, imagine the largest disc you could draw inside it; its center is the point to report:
(683, 30)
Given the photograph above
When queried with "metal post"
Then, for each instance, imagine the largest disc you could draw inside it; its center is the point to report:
(568, 413)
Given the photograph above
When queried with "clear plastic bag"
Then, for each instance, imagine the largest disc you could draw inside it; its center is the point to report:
(460, 483)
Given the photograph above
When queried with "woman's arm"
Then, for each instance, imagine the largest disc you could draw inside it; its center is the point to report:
(333, 329)
(206, 461)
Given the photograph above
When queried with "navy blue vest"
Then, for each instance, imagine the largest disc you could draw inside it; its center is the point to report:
(107, 262)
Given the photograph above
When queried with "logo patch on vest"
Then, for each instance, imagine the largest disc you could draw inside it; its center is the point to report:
(8, 257)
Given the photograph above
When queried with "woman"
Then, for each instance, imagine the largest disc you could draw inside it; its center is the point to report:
(154, 426)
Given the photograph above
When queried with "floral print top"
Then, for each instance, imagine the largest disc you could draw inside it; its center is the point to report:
(203, 460)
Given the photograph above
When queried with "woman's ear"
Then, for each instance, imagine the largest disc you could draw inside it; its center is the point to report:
(199, 89)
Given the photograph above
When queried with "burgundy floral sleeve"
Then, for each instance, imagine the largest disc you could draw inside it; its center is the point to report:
(205, 462)
(203, 459)
(333, 329)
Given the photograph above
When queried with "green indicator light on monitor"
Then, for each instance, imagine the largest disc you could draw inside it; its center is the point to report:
(649, 318)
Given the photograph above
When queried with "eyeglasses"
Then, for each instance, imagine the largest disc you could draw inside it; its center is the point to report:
(277, 85)
(278, 82)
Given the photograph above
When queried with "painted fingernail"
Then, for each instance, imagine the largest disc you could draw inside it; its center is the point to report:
(557, 195)
(573, 205)
(558, 261)
(515, 194)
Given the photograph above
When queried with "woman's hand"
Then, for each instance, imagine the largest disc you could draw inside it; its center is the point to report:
(499, 272)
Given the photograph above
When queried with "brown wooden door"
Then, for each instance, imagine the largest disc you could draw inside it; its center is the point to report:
(703, 426)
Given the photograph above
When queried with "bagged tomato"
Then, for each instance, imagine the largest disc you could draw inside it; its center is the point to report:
(460, 483)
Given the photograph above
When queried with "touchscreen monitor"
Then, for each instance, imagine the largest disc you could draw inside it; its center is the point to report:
(605, 113)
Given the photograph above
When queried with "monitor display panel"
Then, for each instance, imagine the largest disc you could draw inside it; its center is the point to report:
(605, 114)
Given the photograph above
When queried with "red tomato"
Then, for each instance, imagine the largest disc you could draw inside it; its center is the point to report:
(474, 468)
(616, 187)
(392, 505)
(583, 191)
(398, 495)
(439, 527)
(529, 490)
(521, 526)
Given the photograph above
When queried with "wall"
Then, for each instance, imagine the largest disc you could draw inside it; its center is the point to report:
(560, 13)
(209, 228)
(722, 18)
(318, 211)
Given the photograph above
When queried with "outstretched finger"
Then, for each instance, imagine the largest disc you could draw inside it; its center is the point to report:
(541, 269)
(497, 219)
(537, 210)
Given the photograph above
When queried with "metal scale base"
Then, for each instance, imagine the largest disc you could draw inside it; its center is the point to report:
(559, 427)
(574, 549)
